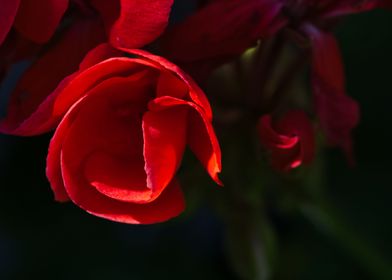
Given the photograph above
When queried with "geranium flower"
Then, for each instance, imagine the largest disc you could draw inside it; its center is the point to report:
(121, 127)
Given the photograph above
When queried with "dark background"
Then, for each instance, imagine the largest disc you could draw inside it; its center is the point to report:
(42, 239)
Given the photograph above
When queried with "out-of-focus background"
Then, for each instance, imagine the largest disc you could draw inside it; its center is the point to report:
(42, 239)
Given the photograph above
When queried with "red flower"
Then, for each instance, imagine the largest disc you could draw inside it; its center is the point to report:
(290, 140)
(122, 128)
(225, 29)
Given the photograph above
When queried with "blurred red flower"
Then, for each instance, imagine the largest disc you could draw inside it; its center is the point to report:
(290, 139)
(224, 29)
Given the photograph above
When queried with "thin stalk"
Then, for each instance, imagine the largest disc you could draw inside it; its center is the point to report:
(330, 224)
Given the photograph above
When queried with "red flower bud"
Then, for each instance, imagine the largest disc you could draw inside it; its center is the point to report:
(290, 140)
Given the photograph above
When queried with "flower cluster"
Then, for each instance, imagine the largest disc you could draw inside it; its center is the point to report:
(123, 117)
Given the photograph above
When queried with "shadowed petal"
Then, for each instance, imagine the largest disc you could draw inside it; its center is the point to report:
(8, 12)
(338, 113)
(47, 73)
(38, 20)
(221, 31)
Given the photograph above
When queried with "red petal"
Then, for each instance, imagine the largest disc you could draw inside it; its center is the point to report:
(53, 164)
(118, 176)
(222, 29)
(290, 140)
(99, 54)
(385, 4)
(168, 205)
(140, 22)
(164, 144)
(7, 16)
(284, 148)
(60, 61)
(200, 135)
(109, 11)
(196, 94)
(74, 87)
(297, 123)
(38, 21)
(338, 113)
(171, 85)
(272, 139)
(347, 7)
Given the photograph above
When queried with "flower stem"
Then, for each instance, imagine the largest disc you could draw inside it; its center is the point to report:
(327, 222)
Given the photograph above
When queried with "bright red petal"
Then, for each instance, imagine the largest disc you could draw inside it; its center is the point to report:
(38, 20)
(8, 12)
(164, 144)
(195, 93)
(200, 135)
(53, 160)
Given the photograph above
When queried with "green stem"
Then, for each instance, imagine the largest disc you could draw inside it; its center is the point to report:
(334, 227)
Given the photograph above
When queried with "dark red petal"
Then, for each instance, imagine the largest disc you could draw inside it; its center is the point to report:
(139, 22)
(60, 61)
(164, 144)
(38, 20)
(8, 12)
(16, 48)
(271, 138)
(200, 135)
(284, 148)
(290, 139)
(222, 29)
(338, 113)
(385, 4)
(99, 54)
(297, 123)
(109, 11)
(348, 7)
(133, 23)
